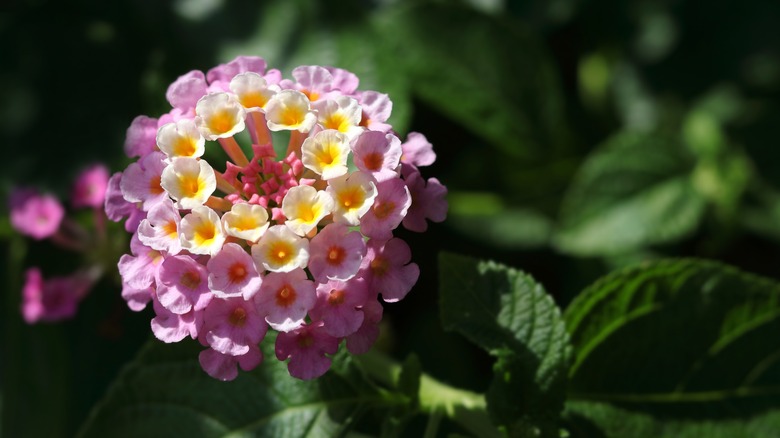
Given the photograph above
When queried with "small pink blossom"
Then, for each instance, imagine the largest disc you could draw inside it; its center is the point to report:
(312, 80)
(232, 272)
(365, 336)
(185, 91)
(118, 208)
(223, 366)
(378, 154)
(388, 210)
(141, 137)
(387, 269)
(183, 285)
(339, 306)
(89, 189)
(220, 76)
(160, 229)
(335, 253)
(34, 215)
(141, 181)
(285, 298)
(376, 110)
(232, 326)
(429, 200)
(170, 327)
(139, 273)
(417, 150)
(343, 80)
(306, 348)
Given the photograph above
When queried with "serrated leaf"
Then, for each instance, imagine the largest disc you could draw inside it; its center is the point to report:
(635, 190)
(165, 393)
(508, 314)
(589, 419)
(485, 72)
(678, 338)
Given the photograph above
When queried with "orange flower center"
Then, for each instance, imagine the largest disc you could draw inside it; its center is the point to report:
(285, 296)
(379, 266)
(190, 280)
(336, 297)
(237, 273)
(336, 255)
(238, 317)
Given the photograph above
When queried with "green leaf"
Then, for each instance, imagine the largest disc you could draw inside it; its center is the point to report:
(590, 419)
(633, 191)
(508, 314)
(486, 73)
(293, 33)
(678, 338)
(165, 393)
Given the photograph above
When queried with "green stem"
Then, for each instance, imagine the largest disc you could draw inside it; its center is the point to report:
(466, 408)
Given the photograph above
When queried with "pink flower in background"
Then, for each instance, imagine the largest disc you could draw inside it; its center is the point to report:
(288, 236)
(54, 299)
(89, 189)
(34, 215)
(44, 217)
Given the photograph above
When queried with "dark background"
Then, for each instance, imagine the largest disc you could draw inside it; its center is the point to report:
(74, 74)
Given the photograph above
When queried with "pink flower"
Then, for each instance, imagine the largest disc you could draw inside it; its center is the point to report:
(232, 273)
(170, 327)
(377, 153)
(90, 187)
(336, 253)
(387, 269)
(285, 298)
(338, 306)
(220, 76)
(232, 326)
(138, 272)
(388, 210)
(343, 80)
(365, 336)
(34, 215)
(223, 366)
(312, 80)
(141, 137)
(376, 110)
(185, 91)
(417, 150)
(429, 200)
(183, 285)
(55, 299)
(306, 348)
(160, 229)
(141, 181)
(118, 208)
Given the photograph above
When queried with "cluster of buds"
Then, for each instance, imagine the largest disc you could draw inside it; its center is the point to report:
(296, 236)
(43, 217)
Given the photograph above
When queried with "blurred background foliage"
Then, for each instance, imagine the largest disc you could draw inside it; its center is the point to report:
(575, 136)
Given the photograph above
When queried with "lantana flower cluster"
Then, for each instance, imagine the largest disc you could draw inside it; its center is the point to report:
(41, 216)
(296, 236)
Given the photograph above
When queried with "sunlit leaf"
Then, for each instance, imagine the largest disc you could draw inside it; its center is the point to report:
(508, 314)
(634, 190)
(678, 338)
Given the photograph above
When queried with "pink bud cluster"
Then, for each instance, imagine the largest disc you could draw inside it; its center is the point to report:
(296, 236)
(43, 217)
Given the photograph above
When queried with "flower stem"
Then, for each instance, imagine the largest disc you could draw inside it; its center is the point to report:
(466, 408)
